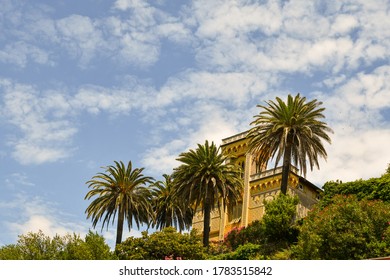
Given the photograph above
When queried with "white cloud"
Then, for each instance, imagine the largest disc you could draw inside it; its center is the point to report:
(230, 18)
(301, 19)
(46, 134)
(137, 39)
(46, 120)
(18, 179)
(162, 159)
(197, 122)
(27, 152)
(33, 214)
(334, 80)
(344, 24)
(310, 36)
(232, 87)
(80, 35)
(21, 53)
(358, 101)
(95, 99)
(243, 49)
(354, 111)
(130, 35)
(124, 5)
(354, 154)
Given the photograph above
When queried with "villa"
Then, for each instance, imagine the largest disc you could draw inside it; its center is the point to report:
(260, 185)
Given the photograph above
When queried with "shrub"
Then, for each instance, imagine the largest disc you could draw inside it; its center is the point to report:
(276, 231)
(161, 245)
(38, 246)
(248, 251)
(347, 228)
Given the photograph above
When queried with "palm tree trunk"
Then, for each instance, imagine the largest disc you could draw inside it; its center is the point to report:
(286, 164)
(206, 222)
(119, 228)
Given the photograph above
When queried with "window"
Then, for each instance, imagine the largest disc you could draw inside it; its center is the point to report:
(235, 212)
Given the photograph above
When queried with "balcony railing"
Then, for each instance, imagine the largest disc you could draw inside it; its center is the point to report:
(271, 172)
(234, 138)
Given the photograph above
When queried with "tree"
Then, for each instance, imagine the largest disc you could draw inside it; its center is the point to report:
(38, 246)
(121, 190)
(279, 220)
(348, 228)
(292, 131)
(206, 178)
(372, 189)
(276, 231)
(167, 243)
(168, 207)
(34, 246)
(93, 247)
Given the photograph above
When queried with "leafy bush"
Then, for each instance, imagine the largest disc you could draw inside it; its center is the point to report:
(92, 248)
(38, 246)
(161, 245)
(275, 232)
(374, 188)
(248, 251)
(348, 228)
(280, 218)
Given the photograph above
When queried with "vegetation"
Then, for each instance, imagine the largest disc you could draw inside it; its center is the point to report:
(292, 131)
(276, 232)
(374, 188)
(205, 179)
(170, 209)
(166, 244)
(38, 246)
(347, 228)
(121, 189)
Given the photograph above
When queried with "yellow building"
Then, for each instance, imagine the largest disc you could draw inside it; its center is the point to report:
(259, 185)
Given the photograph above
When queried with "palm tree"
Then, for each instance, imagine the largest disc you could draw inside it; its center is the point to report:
(291, 131)
(205, 179)
(168, 207)
(120, 189)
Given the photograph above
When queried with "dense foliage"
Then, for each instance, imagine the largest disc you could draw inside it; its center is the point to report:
(275, 232)
(374, 188)
(348, 228)
(205, 179)
(165, 244)
(290, 131)
(169, 209)
(38, 246)
(123, 192)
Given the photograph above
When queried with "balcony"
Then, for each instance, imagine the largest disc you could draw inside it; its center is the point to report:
(271, 172)
(234, 138)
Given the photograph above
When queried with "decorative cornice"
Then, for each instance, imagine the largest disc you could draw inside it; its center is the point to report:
(234, 138)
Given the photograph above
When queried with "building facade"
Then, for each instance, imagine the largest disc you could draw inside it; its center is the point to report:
(260, 185)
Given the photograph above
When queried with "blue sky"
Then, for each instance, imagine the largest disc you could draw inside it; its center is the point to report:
(84, 83)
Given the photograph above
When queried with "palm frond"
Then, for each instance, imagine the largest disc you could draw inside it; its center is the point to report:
(298, 119)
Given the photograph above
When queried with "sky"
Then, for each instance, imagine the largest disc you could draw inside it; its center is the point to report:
(85, 83)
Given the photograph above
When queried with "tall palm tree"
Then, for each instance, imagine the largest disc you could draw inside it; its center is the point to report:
(168, 207)
(120, 189)
(292, 131)
(205, 179)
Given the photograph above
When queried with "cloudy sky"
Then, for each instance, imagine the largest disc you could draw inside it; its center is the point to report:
(84, 83)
